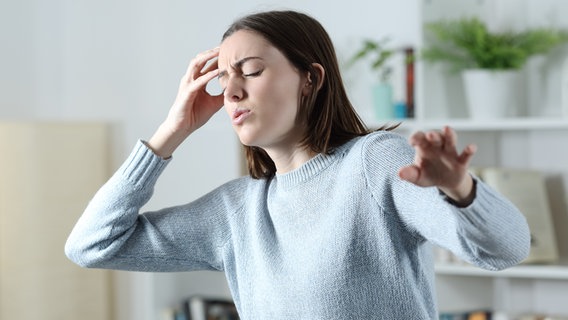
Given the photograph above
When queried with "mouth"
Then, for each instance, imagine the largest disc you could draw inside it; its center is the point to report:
(240, 115)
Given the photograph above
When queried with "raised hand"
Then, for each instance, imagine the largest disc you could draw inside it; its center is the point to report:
(438, 163)
(193, 105)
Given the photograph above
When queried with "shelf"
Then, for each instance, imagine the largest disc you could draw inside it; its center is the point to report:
(557, 272)
(513, 124)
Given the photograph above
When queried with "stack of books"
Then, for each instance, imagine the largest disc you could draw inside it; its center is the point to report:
(494, 315)
(202, 308)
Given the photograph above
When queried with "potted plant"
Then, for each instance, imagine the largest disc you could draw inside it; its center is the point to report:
(378, 55)
(489, 61)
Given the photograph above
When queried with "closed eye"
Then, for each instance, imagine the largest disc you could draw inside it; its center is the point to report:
(252, 74)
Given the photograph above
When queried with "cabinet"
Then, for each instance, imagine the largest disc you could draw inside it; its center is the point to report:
(48, 172)
(536, 139)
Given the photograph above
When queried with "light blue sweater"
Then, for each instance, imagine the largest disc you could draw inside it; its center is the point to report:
(342, 237)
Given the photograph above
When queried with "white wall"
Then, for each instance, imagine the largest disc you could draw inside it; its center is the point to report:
(120, 62)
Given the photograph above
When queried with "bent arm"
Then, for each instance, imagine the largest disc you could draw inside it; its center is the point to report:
(111, 216)
(112, 234)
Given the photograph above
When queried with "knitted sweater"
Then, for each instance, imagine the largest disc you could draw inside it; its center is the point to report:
(341, 237)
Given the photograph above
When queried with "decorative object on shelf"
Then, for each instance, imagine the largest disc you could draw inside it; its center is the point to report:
(467, 44)
(564, 87)
(382, 90)
(383, 100)
(492, 94)
(409, 58)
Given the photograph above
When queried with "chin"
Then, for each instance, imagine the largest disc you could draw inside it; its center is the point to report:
(247, 138)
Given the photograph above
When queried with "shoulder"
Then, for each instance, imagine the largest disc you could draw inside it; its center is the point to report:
(381, 145)
(244, 184)
(241, 186)
(383, 138)
(236, 192)
(381, 154)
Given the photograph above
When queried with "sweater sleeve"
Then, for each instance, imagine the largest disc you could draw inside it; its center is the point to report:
(491, 233)
(112, 234)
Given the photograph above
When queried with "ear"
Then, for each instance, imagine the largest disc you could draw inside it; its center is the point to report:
(318, 68)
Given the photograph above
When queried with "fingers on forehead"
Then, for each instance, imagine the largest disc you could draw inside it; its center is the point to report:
(201, 60)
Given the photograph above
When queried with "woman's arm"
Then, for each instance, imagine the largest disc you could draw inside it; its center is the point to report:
(486, 230)
(111, 233)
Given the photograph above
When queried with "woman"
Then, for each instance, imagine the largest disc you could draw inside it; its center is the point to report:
(334, 221)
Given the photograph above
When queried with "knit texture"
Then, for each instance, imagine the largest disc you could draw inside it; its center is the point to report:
(341, 237)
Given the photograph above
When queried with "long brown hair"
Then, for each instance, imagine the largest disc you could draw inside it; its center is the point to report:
(329, 118)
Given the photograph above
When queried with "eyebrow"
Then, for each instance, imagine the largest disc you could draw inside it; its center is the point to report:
(238, 65)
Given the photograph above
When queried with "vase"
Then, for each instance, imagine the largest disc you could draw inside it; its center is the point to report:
(492, 94)
(383, 101)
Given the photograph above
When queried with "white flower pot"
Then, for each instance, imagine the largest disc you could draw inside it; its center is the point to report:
(492, 94)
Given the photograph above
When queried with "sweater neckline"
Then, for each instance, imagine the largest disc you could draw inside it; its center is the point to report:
(311, 167)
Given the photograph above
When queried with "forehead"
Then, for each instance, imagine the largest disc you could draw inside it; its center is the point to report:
(242, 44)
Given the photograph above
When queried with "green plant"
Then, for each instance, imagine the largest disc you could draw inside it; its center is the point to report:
(378, 54)
(468, 43)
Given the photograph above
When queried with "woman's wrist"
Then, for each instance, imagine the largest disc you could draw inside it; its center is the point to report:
(166, 140)
(463, 194)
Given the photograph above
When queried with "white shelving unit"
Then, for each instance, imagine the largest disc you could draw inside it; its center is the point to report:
(550, 272)
(537, 140)
(524, 289)
(494, 125)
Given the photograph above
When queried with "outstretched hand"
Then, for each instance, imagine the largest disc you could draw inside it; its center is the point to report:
(438, 163)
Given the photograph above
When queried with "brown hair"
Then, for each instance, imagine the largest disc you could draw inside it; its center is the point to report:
(327, 113)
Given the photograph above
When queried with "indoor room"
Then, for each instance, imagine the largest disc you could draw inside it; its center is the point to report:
(84, 82)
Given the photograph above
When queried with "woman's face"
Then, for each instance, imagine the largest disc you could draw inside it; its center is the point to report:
(262, 91)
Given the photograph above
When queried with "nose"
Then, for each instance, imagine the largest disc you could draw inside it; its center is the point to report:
(234, 90)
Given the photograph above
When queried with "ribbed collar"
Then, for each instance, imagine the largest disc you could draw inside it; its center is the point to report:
(312, 167)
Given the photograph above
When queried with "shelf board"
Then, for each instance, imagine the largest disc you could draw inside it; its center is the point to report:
(558, 272)
(512, 124)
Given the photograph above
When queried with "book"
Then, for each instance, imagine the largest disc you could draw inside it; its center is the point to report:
(526, 189)
(209, 308)
(466, 315)
(403, 82)
(409, 68)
